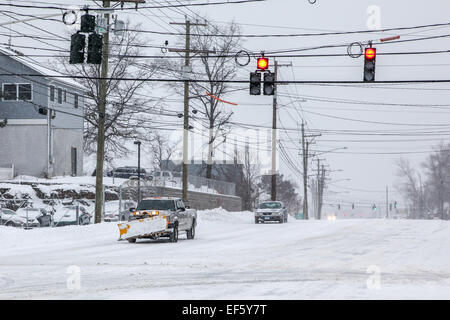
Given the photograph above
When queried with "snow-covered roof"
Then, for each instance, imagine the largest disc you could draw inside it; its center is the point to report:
(41, 69)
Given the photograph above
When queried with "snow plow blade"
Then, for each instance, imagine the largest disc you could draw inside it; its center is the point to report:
(142, 227)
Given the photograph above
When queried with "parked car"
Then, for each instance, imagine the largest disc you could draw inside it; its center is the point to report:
(67, 215)
(10, 218)
(127, 172)
(271, 211)
(114, 213)
(36, 215)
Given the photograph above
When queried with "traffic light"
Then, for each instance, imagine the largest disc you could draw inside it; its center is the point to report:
(255, 83)
(42, 111)
(77, 44)
(339, 207)
(262, 64)
(353, 206)
(370, 56)
(87, 23)
(269, 83)
(374, 207)
(395, 204)
(390, 206)
(95, 49)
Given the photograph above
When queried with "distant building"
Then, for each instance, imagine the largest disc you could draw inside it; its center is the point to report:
(37, 144)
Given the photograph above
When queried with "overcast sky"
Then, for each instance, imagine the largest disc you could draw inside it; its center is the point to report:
(369, 173)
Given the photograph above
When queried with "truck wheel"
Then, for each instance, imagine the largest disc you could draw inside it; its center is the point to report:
(281, 220)
(132, 240)
(191, 232)
(174, 234)
(256, 220)
(10, 224)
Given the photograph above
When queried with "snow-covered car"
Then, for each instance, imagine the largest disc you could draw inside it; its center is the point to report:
(271, 211)
(166, 176)
(36, 216)
(159, 217)
(67, 215)
(10, 218)
(114, 213)
(127, 172)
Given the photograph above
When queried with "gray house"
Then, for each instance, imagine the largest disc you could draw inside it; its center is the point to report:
(34, 143)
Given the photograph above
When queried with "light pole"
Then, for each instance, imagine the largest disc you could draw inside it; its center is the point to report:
(139, 170)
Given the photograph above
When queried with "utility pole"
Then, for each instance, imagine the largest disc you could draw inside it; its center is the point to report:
(305, 173)
(101, 121)
(102, 112)
(305, 156)
(187, 50)
(387, 202)
(322, 186)
(273, 190)
(138, 143)
(318, 188)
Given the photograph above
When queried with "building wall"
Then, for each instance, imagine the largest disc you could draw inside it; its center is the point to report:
(26, 147)
(22, 109)
(67, 126)
(63, 141)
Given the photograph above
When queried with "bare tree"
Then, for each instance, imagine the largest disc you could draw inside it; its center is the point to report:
(437, 168)
(214, 68)
(411, 187)
(248, 185)
(128, 109)
(161, 148)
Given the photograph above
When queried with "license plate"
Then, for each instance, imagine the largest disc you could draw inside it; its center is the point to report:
(267, 218)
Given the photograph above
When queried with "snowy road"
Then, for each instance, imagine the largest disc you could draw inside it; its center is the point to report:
(232, 258)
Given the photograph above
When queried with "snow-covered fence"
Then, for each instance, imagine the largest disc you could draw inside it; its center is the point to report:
(7, 172)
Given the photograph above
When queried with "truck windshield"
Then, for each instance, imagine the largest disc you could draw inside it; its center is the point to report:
(270, 205)
(156, 205)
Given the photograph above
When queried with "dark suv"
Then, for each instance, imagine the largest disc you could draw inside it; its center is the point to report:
(127, 172)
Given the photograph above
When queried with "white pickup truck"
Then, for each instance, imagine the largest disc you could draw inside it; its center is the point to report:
(159, 217)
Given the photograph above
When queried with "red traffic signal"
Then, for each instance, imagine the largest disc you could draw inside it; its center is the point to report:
(263, 63)
(370, 53)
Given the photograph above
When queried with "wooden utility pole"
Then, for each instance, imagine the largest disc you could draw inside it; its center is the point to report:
(273, 189)
(322, 186)
(187, 50)
(101, 122)
(305, 156)
(387, 202)
(102, 113)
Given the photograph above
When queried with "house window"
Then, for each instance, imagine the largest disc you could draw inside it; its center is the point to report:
(65, 95)
(59, 95)
(52, 93)
(17, 91)
(75, 100)
(9, 91)
(25, 92)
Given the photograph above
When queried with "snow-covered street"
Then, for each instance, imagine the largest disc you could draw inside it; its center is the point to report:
(232, 258)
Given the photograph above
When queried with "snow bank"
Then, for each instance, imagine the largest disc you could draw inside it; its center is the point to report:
(220, 215)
